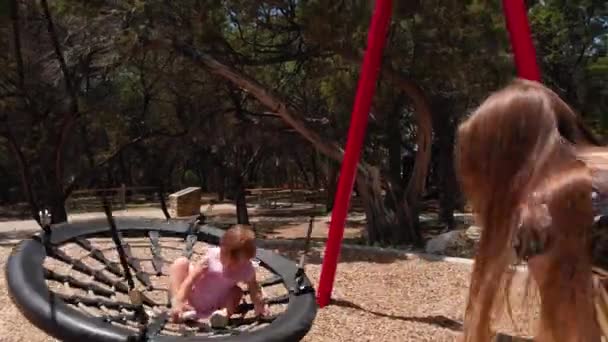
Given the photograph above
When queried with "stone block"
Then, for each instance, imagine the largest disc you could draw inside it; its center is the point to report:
(186, 202)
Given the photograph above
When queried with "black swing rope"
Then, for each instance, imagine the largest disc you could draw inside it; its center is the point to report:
(134, 294)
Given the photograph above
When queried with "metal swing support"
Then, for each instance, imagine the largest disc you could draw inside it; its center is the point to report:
(524, 56)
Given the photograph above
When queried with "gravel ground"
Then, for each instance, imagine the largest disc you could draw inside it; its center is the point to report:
(13, 326)
(377, 298)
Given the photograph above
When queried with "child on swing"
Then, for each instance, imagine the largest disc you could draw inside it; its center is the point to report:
(208, 288)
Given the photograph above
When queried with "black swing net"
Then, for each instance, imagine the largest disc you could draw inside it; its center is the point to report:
(107, 280)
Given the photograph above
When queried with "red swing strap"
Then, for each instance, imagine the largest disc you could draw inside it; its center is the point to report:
(522, 45)
(376, 39)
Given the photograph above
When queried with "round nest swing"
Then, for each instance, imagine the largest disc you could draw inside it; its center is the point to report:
(70, 282)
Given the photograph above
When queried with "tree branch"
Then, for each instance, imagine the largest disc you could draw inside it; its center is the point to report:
(14, 8)
(257, 155)
(266, 97)
(73, 113)
(288, 57)
(26, 177)
(58, 53)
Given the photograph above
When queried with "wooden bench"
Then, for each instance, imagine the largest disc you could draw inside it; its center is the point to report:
(186, 202)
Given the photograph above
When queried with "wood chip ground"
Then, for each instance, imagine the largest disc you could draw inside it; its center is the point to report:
(377, 298)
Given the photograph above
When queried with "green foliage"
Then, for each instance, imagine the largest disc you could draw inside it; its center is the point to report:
(571, 40)
(191, 179)
(166, 110)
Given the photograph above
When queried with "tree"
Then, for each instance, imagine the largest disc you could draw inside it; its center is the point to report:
(56, 83)
(180, 93)
(570, 36)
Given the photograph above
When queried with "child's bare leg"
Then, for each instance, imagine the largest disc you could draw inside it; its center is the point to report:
(220, 317)
(177, 274)
(233, 301)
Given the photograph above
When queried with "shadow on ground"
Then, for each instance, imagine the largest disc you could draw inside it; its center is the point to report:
(12, 238)
(438, 320)
(314, 255)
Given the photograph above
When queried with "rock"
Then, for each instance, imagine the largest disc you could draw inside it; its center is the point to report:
(473, 233)
(463, 247)
(441, 242)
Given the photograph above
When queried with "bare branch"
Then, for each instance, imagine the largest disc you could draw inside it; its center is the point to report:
(289, 57)
(59, 54)
(70, 116)
(272, 101)
(14, 8)
(257, 155)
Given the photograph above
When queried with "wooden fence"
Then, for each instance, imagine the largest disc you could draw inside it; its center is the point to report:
(270, 198)
(91, 198)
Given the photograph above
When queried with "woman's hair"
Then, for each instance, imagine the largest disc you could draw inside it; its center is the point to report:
(239, 242)
(516, 160)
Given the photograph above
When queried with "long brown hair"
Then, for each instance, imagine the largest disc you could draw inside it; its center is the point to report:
(515, 154)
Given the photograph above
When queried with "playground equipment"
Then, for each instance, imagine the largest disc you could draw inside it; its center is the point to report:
(525, 60)
(68, 282)
(140, 317)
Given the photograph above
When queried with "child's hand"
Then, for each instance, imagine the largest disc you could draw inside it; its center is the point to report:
(177, 308)
(261, 310)
(257, 297)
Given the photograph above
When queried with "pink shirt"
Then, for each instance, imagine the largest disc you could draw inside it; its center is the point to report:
(211, 290)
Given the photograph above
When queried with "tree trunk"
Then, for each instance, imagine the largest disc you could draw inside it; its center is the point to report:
(315, 168)
(124, 178)
(393, 142)
(386, 224)
(26, 176)
(5, 182)
(242, 216)
(202, 176)
(221, 184)
(423, 115)
(57, 207)
(424, 131)
(448, 188)
(332, 184)
(302, 169)
(54, 199)
(393, 145)
(378, 219)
